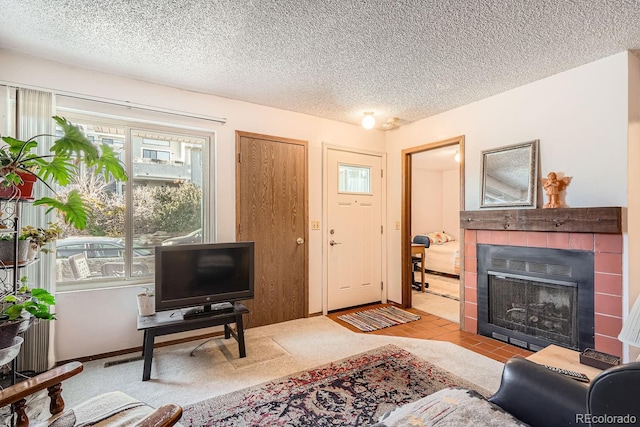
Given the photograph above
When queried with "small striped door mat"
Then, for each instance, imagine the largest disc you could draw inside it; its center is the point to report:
(378, 318)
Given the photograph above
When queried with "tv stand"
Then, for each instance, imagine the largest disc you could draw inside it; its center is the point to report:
(171, 322)
(208, 310)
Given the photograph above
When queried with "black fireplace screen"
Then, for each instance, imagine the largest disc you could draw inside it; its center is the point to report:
(543, 309)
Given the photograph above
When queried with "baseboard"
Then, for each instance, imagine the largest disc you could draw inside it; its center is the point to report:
(139, 349)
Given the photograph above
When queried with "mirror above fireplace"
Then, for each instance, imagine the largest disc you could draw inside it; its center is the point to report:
(510, 176)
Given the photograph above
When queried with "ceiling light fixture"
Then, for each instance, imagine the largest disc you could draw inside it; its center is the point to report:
(391, 123)
(368, 121)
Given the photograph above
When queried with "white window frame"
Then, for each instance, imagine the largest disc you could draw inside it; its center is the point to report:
(208, 190)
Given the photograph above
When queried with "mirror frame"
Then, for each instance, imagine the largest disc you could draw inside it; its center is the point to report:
(531, 166)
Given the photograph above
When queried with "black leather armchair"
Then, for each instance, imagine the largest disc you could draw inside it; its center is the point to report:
(540, 397)
(615, 393)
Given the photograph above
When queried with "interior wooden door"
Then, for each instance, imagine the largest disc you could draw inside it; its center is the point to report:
(271, 210)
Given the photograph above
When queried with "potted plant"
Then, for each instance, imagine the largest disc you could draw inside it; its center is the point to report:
(146, 303)
(19, 308)
(20, 168)
(7, 250)
(20, 165)
(39, 237)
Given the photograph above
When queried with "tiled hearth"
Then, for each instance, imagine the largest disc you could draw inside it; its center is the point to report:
(607, 249)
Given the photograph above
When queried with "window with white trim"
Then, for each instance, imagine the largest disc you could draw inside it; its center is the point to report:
(162, 203)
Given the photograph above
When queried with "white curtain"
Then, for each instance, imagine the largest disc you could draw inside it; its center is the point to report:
(34, 111)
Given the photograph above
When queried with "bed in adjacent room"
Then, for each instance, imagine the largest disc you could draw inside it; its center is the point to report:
(443, 254)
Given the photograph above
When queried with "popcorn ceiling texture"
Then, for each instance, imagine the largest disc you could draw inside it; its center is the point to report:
(328, 58)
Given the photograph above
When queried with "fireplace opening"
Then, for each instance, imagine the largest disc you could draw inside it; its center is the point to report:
(539, 308)
(533, 297)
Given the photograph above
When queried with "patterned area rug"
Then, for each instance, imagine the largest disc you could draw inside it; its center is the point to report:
(350, 392)
(378, 318)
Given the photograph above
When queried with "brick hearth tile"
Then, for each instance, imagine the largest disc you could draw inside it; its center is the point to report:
(558, 240)
(470, 236)
(610, 305)
(471, 294)
(517, 238)
(608, 283)
(470, 250)
(499, 237)
(484, 236)
(471, 325)
(537, 239)
(471, 279)
(608, 345)
(608, 325)
(608, 263)
(611, 243)
(470, 309)
(581, 241)
(471, 265)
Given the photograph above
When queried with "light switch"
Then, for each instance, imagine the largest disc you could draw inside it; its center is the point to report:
(397, 225)
(315, 225)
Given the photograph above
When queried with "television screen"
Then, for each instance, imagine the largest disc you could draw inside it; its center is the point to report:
(203, 274)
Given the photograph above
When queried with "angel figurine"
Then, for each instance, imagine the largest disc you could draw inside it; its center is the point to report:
(552, 186)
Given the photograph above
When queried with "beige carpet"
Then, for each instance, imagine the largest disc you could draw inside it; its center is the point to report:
(273, 351)
(446, 308)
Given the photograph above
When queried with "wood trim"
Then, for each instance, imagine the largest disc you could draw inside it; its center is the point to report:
(606, 220)
(405, 238)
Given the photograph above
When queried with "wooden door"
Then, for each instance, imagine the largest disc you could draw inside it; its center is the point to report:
(271, 210)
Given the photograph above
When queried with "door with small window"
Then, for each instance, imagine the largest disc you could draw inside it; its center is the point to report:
(354, 229)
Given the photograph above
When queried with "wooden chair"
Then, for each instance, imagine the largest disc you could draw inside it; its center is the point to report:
(122, 407)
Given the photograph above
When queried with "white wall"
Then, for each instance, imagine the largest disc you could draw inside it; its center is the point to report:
(435, 201)
(94, 322)
(632, 285)
(451, 202)
(426, 205)
(579, 116)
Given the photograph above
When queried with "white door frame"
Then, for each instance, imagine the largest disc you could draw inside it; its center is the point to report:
(325, 219)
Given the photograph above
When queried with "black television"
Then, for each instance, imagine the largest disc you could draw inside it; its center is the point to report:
(205, 275)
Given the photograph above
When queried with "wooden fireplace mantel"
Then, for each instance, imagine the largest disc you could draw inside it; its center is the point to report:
(569, 220)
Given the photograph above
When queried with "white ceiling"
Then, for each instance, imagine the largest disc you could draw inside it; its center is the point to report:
(329, 58)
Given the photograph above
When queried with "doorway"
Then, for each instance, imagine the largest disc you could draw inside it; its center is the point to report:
(354, 194)
(413, 159)
(272, 211)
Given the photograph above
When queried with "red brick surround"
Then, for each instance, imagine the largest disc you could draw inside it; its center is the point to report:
(607, 250)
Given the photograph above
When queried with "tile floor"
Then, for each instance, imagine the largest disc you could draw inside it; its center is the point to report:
(436, 328)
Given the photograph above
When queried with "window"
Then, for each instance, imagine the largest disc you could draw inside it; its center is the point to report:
(156, 155)
(354, 179)
(162, 203)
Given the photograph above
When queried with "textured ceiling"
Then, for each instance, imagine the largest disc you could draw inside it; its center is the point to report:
(328, 58)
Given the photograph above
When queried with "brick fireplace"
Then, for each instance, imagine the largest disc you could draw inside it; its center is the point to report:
(607, 263)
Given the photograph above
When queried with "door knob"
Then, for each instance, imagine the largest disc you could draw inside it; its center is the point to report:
(300, 240)
(333, 243)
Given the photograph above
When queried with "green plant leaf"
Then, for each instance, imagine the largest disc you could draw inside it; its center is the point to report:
(10, 298)
(74, 142)
(74, 208)
(16, 146)
(61, 168)
(110, 164)
(14, 311)
(43, 296)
